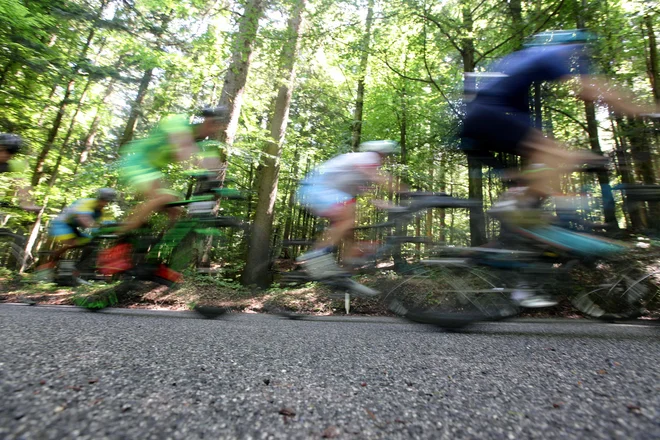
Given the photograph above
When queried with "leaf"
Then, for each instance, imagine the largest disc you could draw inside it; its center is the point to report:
(287, 412)
(330, 432)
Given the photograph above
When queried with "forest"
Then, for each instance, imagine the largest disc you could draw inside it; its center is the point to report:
(305, 81)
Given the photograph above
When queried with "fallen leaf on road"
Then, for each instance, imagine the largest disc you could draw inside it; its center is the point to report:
(601, 371)
(330, 432)
(370, 413)
(288, 412)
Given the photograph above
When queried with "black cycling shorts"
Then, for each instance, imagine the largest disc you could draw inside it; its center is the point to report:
(492, 128)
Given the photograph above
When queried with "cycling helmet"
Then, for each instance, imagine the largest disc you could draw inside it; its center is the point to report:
(107, 194)
(220, 112)
(11, 142)
(569, 36)
(380, 147)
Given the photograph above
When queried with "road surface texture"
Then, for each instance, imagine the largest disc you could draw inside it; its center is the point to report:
(121, 374)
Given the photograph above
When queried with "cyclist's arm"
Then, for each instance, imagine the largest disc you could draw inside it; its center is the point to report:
(84, 220)
(185, 146)
(383, 179)
(593, 88)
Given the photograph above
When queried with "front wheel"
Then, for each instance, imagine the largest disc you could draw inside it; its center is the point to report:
(12, 254)
(450, 294)
(609, 294)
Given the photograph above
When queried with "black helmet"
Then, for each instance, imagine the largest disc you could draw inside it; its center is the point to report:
(107, 194)
(220, 112)
(11, 142)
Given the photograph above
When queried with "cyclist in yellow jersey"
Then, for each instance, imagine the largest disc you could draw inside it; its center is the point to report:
(81, 214)
(172, 141)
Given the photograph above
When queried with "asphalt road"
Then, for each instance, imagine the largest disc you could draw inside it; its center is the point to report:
(67, 373)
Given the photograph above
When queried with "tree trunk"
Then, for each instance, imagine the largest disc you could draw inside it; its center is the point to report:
(52, 134)
(609, 208)
(475, 176)
(653, 69)
(236, 76)
(88, 142)
(257, 268)
(136, 107)
(631, 207)
(356, 132)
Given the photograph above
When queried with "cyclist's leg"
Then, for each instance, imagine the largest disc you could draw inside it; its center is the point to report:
(156, 196)
(339, 208)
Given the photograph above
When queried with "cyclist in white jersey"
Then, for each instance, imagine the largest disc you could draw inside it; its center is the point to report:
(330, 191)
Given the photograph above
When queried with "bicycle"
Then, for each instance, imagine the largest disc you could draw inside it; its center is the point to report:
(12, 247)
(159, 257)
(462, 286)
(389, 250)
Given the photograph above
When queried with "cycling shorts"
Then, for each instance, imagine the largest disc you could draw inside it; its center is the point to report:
(494, 128)
(321, 200)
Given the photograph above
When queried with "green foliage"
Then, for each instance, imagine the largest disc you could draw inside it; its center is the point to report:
(85, 61)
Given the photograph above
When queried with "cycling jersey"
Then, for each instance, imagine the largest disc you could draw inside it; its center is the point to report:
(143, 159)
(498, 118)
(88, 207)
(523, 68)
(156, 149)
(337, 182)
(345, 172)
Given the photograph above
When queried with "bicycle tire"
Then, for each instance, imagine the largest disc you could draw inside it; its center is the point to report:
(612, 295)
(450, 294)
(12, 253)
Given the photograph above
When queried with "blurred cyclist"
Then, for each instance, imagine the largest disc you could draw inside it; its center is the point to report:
(10, 165)
(498, 119)
(172, 141)
(81, 214)
(330, 192)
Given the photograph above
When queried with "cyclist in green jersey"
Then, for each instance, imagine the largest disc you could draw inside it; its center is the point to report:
(174, 140)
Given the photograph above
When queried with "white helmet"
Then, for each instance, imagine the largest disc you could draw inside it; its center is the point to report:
(380, 147)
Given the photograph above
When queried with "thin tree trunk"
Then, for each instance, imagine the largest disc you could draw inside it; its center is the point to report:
(631, 207)
(609, 209)
(356, 132)
(653, 69)
(88, 142)
(136, 107)
(475, 174)
(256, 272)
(52, 134)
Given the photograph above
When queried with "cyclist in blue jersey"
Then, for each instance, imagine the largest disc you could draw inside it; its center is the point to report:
(499, 120)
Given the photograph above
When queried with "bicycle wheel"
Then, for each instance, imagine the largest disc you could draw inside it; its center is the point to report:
(12, 255)
(608, 293)
(449, 293)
